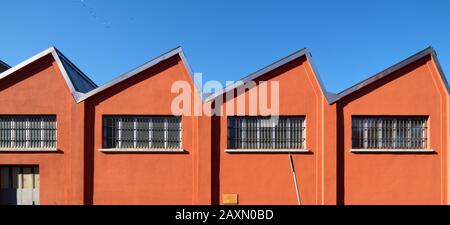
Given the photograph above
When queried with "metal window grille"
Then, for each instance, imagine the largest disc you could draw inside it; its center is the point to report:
(264, 133)
(142, 132)
(27, 132)
(389, 132)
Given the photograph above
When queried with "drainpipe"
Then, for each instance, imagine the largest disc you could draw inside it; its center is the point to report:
(294, 177)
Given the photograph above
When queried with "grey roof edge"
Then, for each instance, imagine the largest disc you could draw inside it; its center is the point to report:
(331, 97)
(429, 51)
(175, 51)
(297, 54)
(191, 74)
(440, 70)
(4, 64)
(52, 51)
(80, 72)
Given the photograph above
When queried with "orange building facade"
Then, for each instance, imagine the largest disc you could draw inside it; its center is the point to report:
(65, 140)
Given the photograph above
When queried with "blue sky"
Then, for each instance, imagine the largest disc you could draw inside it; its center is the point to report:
(226, 40)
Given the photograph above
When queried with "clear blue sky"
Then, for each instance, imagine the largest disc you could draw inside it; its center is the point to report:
(226, 40)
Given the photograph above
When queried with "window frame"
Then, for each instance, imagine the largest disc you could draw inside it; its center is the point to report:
(42, 118)
(274, 148)
(135, 148)
(365, 148)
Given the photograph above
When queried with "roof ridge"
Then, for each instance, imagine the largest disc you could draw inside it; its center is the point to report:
(4, 64)
(177, 50)
(49, 51)
(304, 51)
(391, 69)
(62, 60)
(266, 69)
(396, 64)
(79, 71)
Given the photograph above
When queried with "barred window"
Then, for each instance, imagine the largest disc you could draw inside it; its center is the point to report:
(389, 133)
(265, 133)
(142, 132)
(27, 132)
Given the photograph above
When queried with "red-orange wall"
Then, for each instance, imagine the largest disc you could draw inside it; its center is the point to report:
(395, 178)
(329, 174)
(150, 178)
(266, 178)
(40, 89)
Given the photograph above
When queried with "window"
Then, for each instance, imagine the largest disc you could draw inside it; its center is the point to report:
(27, 132)
(389, 133)
(141, 132)
(265, 133)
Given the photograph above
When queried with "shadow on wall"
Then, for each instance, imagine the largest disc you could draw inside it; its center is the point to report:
(89, 154)
(215, 160)
(340, 155)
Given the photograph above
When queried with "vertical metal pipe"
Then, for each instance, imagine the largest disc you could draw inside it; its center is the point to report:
(294, 177)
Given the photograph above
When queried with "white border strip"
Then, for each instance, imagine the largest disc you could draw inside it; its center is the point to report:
(13, 150)
(267, 151)
(392, 150)
(25, 63)
(140, 150)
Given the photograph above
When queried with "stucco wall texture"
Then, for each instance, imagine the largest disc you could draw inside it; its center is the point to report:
(328, 173)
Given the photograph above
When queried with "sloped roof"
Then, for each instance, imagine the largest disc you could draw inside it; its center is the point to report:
(3, 66)
(80, 81)
(176, 51)
(81, 87)
(76, 80)
(426, 52)
(300, 53)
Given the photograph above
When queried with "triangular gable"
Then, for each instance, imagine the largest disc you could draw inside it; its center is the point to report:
(77, 82)
(80, 81)
(387, 72)
(81, 87)
(298, 54)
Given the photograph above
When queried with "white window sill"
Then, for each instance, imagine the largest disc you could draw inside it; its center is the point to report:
(267, 150)
(2, 150)
(392, 150)
(140, 150)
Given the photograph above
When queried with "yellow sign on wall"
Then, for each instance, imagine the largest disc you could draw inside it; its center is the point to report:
(230, 199)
